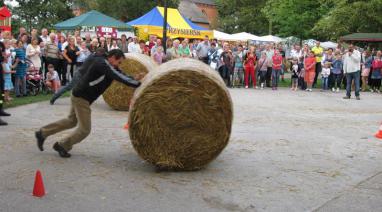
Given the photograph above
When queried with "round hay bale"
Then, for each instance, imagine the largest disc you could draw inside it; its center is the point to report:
(118, 95)
(181, 116)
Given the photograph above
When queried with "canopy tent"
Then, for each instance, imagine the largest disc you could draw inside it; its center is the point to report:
(329, 44)
(92, 19)
(271, 38)
(363, 37)
(223, 36)
(5, 19)
(178, 26)
(245, 36)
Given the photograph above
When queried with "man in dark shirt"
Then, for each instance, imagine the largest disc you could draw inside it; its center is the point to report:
(94, 81)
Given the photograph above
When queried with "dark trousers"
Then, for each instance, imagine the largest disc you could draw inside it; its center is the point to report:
(337, 79)
(268, 77)
(301, 83)
(263, 75)
(62, 71)
(376, 84)
(318, 71)
(204, 60)
(349, 78)
(1, 89)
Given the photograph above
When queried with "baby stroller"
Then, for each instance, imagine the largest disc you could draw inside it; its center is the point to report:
(34, 80)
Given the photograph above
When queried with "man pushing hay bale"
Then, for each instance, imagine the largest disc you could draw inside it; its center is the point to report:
(118, 95)
(181, 116)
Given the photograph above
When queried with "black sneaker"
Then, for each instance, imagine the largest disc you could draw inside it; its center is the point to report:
(61, 151)
(40, 140)
(3, 123)
(3, 113)
(346, 97)
(52, 102)
(358, 98)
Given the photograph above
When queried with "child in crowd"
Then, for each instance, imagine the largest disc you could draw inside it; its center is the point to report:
(7, 74)
(295, 74)
(238, 71)
(337, 73)
(325, 76)
(52, 79)
(310, 70)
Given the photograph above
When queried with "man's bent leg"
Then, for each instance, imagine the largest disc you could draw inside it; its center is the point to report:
(61, 125)
(83, 114)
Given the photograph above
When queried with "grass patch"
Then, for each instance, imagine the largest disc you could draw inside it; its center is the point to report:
(30, 99)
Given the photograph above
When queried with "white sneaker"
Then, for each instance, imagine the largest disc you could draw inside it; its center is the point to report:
(378, 91)
(246, 87)
(256, 87)
(262, 86)
(338, 90)
(333, 89)
(371, 90)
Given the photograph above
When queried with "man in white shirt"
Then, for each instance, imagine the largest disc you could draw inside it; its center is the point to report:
(134, 46)
(352, 66)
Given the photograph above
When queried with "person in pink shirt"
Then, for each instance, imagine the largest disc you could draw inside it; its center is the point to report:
(277, 61)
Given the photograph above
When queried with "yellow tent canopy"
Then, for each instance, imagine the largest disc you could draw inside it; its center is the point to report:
(178, 26)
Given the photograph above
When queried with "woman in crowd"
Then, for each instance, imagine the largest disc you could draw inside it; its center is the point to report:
(145, 49)
(172, 49)
(277, 62)
(226, 59)
(21, 70)
(376, 74)
(310, 70)
(62, 67)
(263, 67)
(114, 45)
(366, 67)
(70, 54)
(239, 67)
(337, 67)
(83, 55)
(102, 43)
(250, 67)
(184, 50)
(33, 53)
(93, 45)
(159, 56)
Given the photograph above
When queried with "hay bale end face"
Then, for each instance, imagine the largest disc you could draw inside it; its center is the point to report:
(118, 95)
(181, 116)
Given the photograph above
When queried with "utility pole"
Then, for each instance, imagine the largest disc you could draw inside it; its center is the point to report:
(164, 41)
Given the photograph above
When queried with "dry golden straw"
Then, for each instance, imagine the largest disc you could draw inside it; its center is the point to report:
(118, 95)
(181, 116)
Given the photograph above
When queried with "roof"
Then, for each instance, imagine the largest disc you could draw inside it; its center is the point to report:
(4, 12)
(369, 37)
(174, 19)
(92, 19)
(209, 2)
(192, 12)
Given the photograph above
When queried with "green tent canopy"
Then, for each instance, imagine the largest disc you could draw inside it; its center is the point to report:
(92, 19)
(363, 37)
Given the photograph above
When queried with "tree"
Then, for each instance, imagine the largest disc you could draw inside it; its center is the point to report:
(349, 17)
(294, 17)
(125, 10)
(242, 15)
(40, 13)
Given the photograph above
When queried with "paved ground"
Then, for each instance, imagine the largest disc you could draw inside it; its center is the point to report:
(288, 152)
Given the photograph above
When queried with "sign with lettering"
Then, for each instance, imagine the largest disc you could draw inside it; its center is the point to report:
(106, 31)
(180, 32)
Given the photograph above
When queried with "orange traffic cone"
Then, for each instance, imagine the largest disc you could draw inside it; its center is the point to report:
(38, 189)
(126, 127)
(379, 133)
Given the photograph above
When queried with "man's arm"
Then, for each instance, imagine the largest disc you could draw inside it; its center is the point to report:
(112, 73)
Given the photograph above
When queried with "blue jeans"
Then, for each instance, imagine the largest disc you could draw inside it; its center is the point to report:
(20, 81)
(325, 83)
(349, 78)
(275, 78)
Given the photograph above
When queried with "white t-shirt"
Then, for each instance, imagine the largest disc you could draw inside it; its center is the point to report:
(53, 77)
(134, 48)
(325, 72)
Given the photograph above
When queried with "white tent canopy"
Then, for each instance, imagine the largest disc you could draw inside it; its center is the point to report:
(271, 38)
(223, 36)
(329, 44)
(245, 36)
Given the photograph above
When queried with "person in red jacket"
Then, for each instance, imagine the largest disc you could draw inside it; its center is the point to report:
(310, 70)
(277, 61)
(250, 67)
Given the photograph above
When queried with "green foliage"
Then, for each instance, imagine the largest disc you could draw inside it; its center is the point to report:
(242, 15)
(40, 13)
(349, 17)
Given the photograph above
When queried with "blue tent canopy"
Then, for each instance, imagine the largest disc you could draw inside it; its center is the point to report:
(92, 19)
